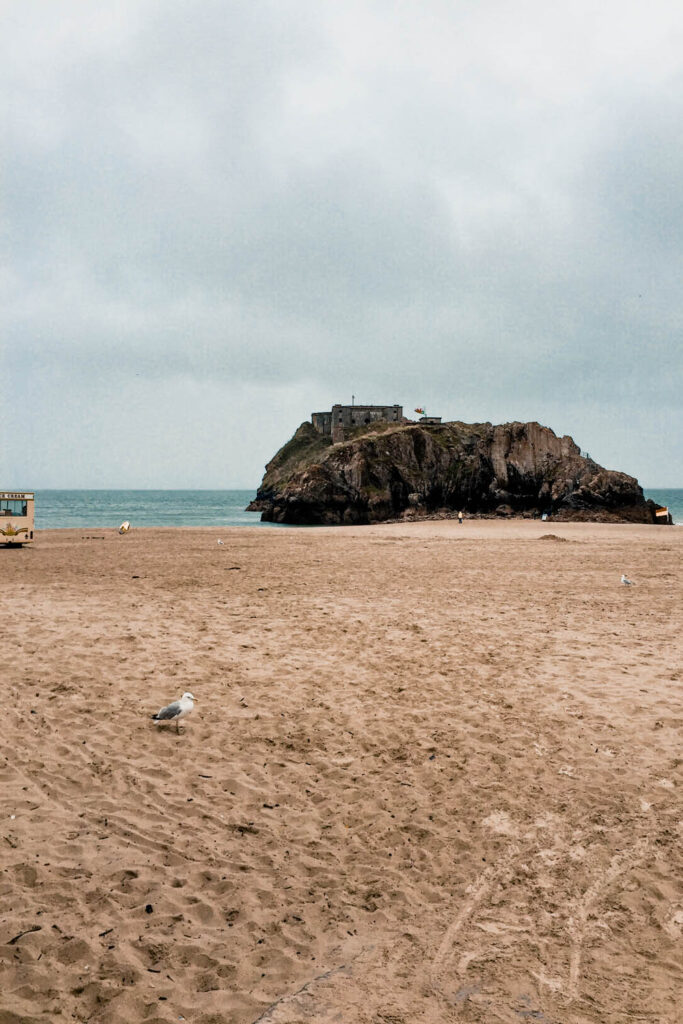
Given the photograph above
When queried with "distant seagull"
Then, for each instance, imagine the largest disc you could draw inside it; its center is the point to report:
(220, 541)
(626, 581)
(175, 711)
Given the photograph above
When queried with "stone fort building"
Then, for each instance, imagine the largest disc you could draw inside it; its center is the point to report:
(343, 417)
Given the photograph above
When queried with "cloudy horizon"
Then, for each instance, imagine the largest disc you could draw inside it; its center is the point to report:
(219, 218)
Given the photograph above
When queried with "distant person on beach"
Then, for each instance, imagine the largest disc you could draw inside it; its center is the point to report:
(460, 518)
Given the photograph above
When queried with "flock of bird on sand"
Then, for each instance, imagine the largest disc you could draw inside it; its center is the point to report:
(180, 708)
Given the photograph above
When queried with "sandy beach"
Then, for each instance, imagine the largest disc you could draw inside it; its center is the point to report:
(433, 774)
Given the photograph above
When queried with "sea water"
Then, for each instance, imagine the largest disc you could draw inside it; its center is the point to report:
(671, 498)
(58, 509)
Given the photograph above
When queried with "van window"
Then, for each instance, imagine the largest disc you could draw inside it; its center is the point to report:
(9, 507)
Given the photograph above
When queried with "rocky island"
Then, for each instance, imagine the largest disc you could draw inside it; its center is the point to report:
(373, 468)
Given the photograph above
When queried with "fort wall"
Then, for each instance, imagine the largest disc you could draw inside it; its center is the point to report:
(344, 417)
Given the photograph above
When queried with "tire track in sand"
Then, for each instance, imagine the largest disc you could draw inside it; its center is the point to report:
(578, 921)
(476, 893)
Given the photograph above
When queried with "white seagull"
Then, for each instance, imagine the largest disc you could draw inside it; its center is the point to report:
(175, 711)
(626, 581)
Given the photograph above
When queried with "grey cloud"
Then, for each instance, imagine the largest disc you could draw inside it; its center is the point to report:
(640, 175)
(253, 195)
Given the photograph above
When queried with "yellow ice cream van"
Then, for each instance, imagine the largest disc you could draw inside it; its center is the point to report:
(16, 517)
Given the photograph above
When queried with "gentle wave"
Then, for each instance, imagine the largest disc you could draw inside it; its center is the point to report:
(62, 509)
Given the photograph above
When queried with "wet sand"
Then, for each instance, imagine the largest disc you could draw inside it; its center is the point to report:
(433, 775)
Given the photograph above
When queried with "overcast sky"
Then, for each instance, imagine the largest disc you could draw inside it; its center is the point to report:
(218, 217)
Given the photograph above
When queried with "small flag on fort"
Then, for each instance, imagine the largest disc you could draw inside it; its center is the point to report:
(421, 412)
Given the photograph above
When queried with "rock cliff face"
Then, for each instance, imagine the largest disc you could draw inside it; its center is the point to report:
(395, 471)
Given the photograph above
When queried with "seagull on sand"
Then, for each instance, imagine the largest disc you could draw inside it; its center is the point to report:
(626, 581)
(175, 711)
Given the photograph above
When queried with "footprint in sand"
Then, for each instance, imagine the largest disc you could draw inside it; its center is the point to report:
(674, 926)
(500, 823)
